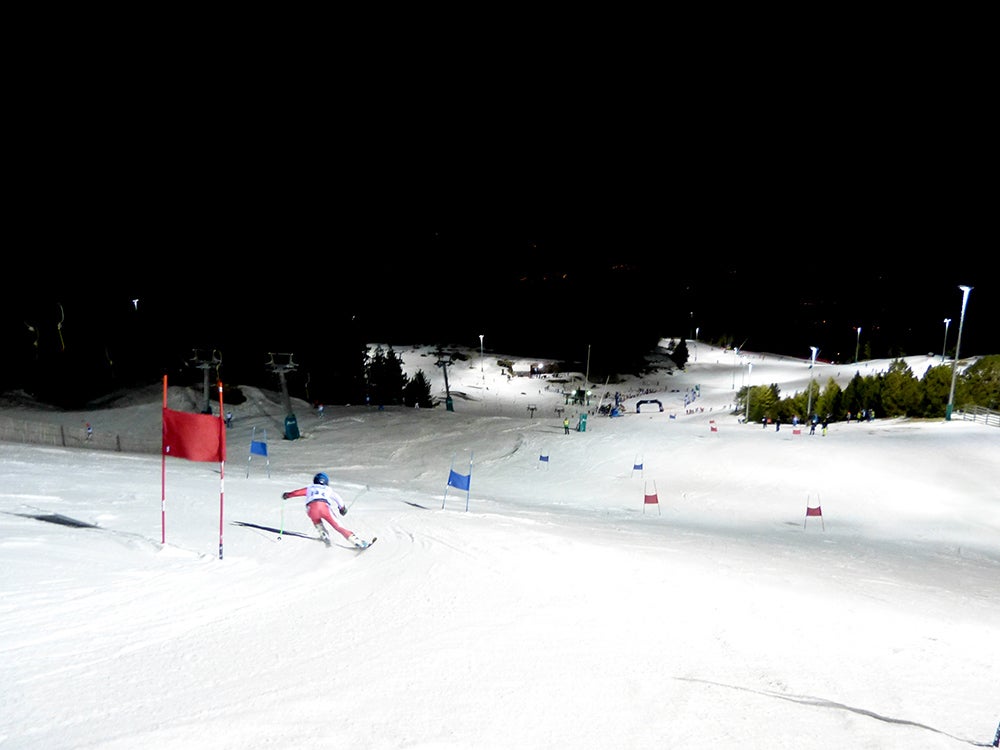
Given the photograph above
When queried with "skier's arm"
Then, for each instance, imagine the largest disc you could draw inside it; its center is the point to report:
(341, 505)
(301, 492)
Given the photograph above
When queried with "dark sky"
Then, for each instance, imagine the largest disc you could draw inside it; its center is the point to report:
(546, 294)
(777, 211)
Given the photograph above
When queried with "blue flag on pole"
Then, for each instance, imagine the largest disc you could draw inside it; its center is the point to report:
(258, 448)
(459, 481)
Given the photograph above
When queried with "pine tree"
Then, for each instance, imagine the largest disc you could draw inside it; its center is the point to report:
(417, 391)
(900, 391)
(935, 387)
(980, 383)
(680, 355)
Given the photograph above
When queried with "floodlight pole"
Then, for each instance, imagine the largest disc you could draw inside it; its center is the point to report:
(857, 347)
(812, 361)
(958, 346)
(944, 346)
(696, 330)
(482, 371)
(746, 420)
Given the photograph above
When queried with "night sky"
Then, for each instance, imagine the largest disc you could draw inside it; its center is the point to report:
(554, 294)
(763, 217)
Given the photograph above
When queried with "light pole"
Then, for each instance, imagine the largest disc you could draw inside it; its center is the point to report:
(857, 347)
(746, 420)
(958, 346)
(812, 361)
(481, 368)
(696, 344)
(944, 346)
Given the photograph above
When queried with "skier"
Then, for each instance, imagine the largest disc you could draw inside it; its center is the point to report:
(319, 499)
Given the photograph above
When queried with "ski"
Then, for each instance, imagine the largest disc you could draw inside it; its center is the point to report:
(358, 547)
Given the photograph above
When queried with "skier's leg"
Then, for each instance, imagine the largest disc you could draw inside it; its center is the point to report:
(327, 516)
(315, 511)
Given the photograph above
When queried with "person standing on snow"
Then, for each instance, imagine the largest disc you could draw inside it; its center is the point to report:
(319, 501)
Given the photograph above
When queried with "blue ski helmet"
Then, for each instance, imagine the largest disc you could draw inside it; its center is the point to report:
(321, 479)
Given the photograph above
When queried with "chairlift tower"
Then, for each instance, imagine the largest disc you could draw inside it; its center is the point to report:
(205, 360)
(444, 359)
(282, 363)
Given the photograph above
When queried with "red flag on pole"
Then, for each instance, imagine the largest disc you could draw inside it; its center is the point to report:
(650, 498)
(814, 511)
(196, 437)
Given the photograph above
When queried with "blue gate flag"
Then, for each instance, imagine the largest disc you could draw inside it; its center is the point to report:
(258, 448)
(459, 481)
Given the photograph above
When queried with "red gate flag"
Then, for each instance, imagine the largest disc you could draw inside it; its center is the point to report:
(650, 498)
(817, 511)
(196, 437)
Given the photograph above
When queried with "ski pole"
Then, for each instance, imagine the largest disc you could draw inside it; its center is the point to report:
(357, 496)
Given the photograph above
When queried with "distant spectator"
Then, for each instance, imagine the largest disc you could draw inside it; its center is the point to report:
(229, 419)
(90, 431)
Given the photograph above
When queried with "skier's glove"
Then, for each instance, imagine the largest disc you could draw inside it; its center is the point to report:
(284, 495)
(343, 510)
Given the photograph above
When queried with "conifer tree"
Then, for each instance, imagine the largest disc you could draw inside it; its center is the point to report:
(980, 383)
(680, 354)
(417, 391)
(900, 392)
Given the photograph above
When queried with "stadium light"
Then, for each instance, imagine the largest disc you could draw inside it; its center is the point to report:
(944, 346)
(812, 362)
(958, 346)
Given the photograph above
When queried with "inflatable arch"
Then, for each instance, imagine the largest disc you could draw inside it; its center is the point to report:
(638, 406)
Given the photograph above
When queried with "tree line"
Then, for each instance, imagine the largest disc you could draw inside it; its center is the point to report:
(894, 393)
